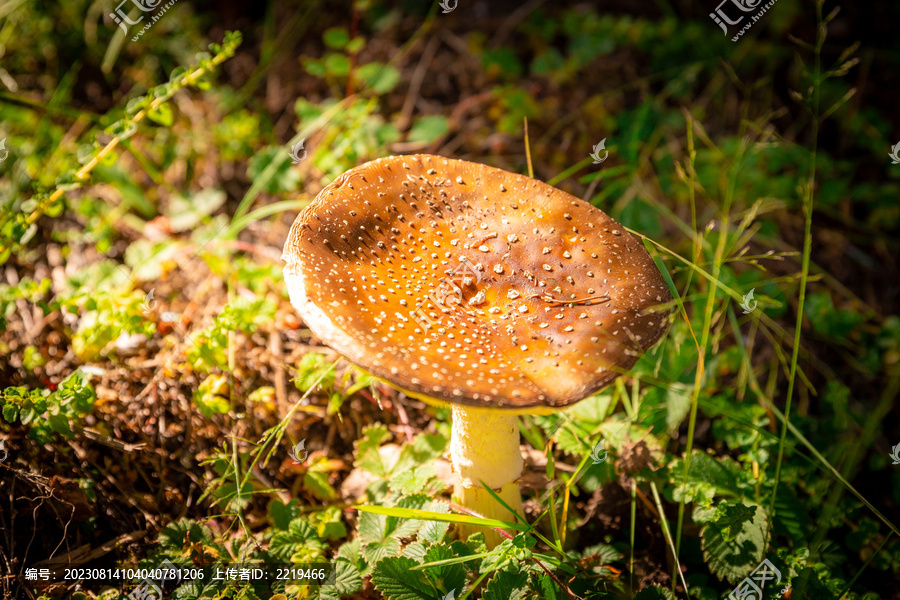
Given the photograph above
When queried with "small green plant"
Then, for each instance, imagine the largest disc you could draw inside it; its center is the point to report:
(208, 349)
(45, 412)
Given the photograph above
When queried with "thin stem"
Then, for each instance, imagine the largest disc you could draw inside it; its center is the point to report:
(633, 523)
(807, 246)
(668, 535)
(528, 151)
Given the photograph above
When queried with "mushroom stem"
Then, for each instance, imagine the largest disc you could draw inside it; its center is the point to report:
(484, 446)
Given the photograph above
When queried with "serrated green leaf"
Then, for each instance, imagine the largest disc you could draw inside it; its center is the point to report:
(548, 588)
(733, 558)
(509, 583)
(655, 593)
(791, 517)
(350, 550)
(434, 531)
(412, 481)
(414, 550)
(175, 536)
(371, 527)
(731, 517)
(401, 527)
(723, 473)
(446, 577)
(298, 544)
(375, 551)
(348, 580)
(474, 548)
(394, 578)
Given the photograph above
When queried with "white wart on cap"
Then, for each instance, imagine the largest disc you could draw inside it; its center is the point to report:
(472, 285)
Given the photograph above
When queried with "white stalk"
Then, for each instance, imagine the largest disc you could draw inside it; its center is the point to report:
(484, 446)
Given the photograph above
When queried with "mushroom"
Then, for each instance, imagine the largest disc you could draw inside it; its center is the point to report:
(464, 284)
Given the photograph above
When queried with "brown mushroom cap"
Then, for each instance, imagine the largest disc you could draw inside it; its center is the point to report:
(472, 285)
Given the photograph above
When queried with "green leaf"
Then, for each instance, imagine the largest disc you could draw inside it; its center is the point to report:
(355, 45)
(548, 62)
(162, 114)
(60, 424)
(426, 447)
(210, 396)
(375, 537)
(830, 320)
(507, 584)
(429, 128)
(175, 536)
(549, 589)
(678, 404)
(449, 577)
(314, 67)
(135, 104)
(329, 523)
(337, 64)
(722, 474)
(413, 480)
(282, 514)
(378, 77)
(394, 578)
(731, 517)
(368, 457)
(336, 38)
(655, 593)
(300, 543)
(415, 551)
(433, 530)
(402, 527)
(733, 557)
(791, 516)
(807, 586)
(186, 213)
(375, 551)
(10, 412)
(408, 513)
(284, 177)
(502, 62)
(347, 581)
(313, 367)
(316, 482)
